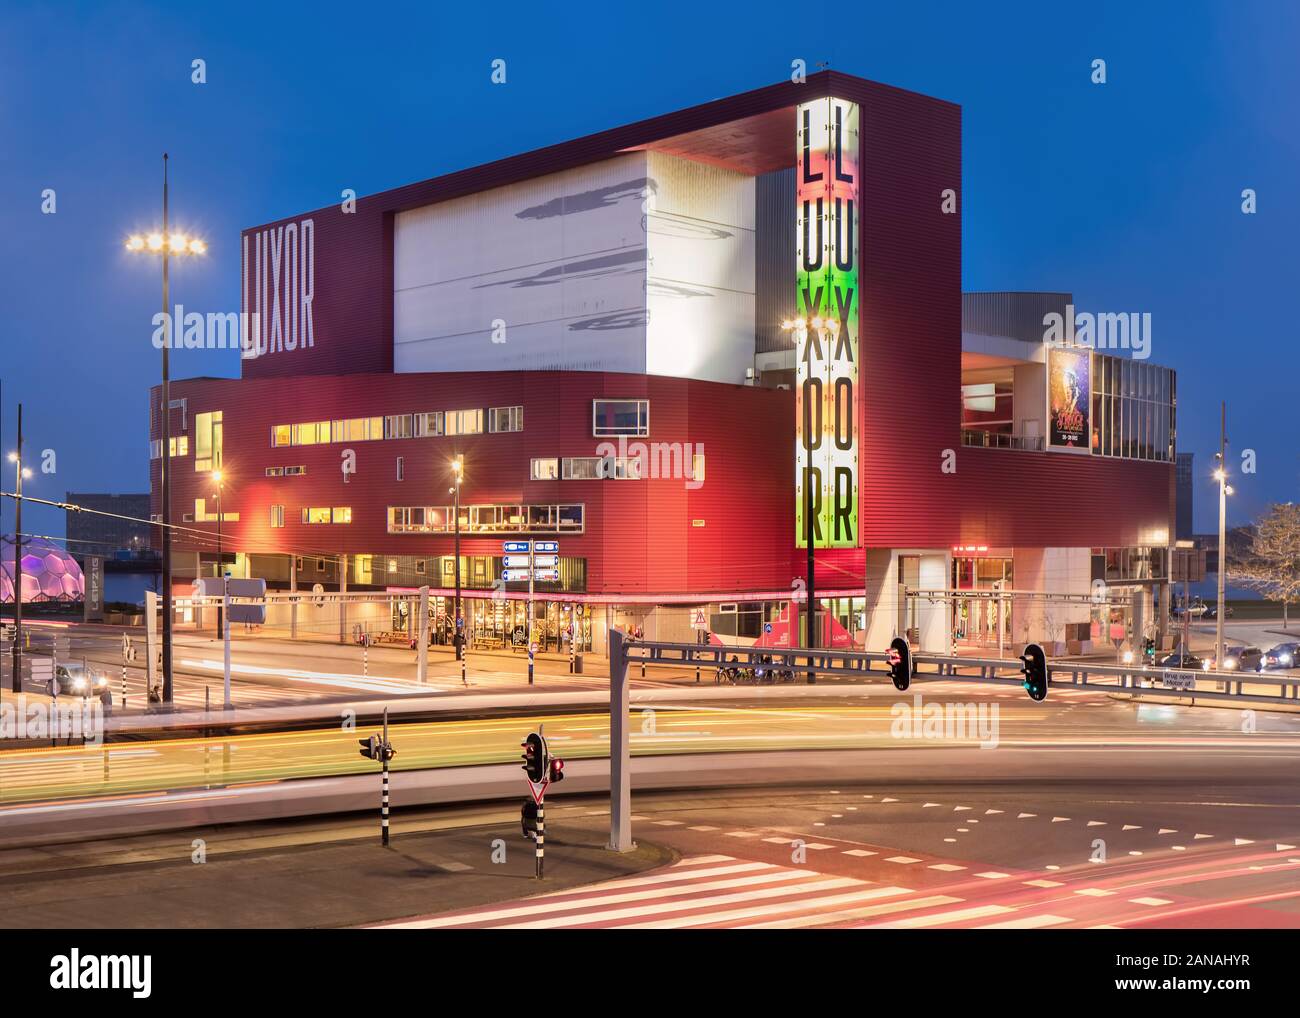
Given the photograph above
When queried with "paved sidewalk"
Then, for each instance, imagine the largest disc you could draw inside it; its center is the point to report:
(310, 874)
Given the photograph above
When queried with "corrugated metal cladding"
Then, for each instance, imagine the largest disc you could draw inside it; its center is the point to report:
(1008, 313)
(774, 259)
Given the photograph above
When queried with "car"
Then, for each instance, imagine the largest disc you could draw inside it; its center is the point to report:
(78, 680)
(1283, 655)
(1195, 610)
(1181, 659)
(1212, 612)
(1241, 659)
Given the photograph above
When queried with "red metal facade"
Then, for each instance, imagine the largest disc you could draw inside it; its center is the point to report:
(646, 536)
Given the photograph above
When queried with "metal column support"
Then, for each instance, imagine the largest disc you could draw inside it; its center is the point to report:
(620, 763)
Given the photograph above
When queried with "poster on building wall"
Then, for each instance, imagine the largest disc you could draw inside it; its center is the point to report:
(1069, 396)
(827, 208)
(92, 572)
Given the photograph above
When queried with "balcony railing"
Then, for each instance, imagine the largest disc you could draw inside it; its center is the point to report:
(995, 440)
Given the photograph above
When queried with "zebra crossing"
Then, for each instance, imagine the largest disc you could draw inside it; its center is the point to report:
(722, 891)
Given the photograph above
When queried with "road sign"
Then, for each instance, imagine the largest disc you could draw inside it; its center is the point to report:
(1173, 680)
(538, 789)
(767, 627)
(516, 561)
(698, 620)
(515, 546)
(514, 575)
(546, 561)
(546, 546)
(546, 575)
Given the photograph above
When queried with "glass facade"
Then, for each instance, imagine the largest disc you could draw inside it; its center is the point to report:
(1134, 408)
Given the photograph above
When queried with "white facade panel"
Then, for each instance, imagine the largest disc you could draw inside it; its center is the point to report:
(643, 263)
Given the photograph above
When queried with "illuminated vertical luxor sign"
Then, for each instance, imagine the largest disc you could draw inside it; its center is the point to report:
(827, 207)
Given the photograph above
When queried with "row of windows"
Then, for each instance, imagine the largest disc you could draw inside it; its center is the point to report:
(318, 514)
(396, 426)
(486, 519)
(594, 468)
(180, 446)
(297, 471)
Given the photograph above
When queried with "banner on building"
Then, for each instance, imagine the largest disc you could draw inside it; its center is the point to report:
(1069, 395)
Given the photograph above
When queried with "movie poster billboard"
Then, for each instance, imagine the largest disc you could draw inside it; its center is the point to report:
(1069, 398)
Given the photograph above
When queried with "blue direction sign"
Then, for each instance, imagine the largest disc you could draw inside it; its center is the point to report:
(547, 545)
(515, 546)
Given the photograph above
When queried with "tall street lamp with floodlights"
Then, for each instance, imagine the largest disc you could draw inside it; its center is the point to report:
(461, 630)
(166, 244)
(20, 473)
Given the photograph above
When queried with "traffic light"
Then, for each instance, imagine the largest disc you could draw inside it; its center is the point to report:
(1149, 648)
(370, 747)
(534, 756)
(900, 663)
(1035, 671)
(528, 820)
(556, 770)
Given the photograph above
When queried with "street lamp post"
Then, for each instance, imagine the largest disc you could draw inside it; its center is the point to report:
(221, 566)
(461, 630)
(19, 473)
(166, 244)
(1225, 489)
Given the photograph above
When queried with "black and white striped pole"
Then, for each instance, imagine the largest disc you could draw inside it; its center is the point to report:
(539, 847)
(541, 772)
(379, 748)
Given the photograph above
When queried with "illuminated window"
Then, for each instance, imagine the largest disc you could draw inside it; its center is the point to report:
(582, 468)
(275, 471)
(294, 471)
(277, 516)
(316, 514)
(464, 422)
(544, 469)
(392, 565)
(428, 425)
(621, 468)
(281, 435)
(508, 518)
(612, 417)
(207, 441)
(697, 467)
(398, 426)
(506, 418)
(342, 514)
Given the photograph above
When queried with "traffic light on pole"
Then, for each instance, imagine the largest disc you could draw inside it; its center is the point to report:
(534, 756)
(1034, 669)
(900, 663)
(556, 770)
(370, 747)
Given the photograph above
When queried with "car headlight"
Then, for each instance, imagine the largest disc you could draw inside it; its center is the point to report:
(1205, 665)
(1230, 663)
(102, 681)
(78, 684)
(1285, 659)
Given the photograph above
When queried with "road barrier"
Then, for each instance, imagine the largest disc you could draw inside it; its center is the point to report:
(1181, 683)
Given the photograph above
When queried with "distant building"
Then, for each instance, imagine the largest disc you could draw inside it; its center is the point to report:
(1183, 510)
(111, 536)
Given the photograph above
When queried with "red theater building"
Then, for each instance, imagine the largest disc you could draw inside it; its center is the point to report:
(644, 344)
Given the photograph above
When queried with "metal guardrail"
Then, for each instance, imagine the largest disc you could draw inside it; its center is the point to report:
(1182, 683)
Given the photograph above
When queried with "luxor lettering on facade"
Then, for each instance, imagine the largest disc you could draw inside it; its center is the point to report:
(827, 204)
(279, 280)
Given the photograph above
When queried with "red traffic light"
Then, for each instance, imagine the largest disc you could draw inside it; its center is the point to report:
(534, 756)
(557, 770)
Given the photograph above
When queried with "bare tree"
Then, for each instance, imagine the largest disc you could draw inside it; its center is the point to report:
(1270, 564)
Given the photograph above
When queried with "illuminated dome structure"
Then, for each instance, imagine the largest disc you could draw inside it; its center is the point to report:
(49, 572)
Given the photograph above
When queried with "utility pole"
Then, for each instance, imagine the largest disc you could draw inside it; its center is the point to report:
(532, 566)
(1223, 535)
(164, 461)
(18, 559)
(460, 627)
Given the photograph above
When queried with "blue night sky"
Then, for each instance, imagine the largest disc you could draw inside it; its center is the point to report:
(1127, 194)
